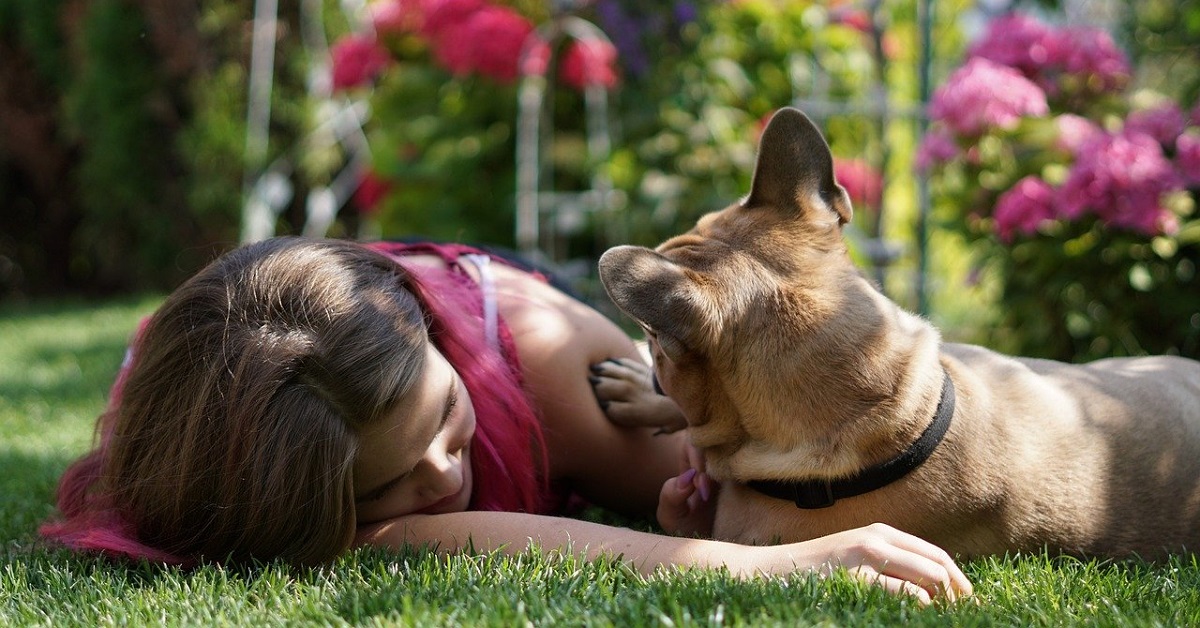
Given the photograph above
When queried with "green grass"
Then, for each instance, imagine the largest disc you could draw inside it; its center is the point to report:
(57, 360)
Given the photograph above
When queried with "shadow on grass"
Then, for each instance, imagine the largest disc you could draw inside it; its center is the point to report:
(27, 486)
(70, 376)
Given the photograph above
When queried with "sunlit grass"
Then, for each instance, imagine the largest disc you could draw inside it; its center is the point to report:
(57, 361)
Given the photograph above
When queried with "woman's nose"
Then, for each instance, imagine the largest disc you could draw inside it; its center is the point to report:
(443, 473)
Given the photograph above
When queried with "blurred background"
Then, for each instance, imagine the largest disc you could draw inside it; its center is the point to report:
(1023, 173)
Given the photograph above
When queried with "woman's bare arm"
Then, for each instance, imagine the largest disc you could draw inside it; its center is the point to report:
(558, 339)
(878, 554)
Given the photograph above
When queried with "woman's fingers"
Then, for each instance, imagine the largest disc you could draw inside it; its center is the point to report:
(892, 584)
(896, 554)
(673, 507)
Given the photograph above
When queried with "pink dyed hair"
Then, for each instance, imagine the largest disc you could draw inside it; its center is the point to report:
(508, 453)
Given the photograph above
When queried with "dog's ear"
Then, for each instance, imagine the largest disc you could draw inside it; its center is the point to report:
(795, 169)
(655, 292)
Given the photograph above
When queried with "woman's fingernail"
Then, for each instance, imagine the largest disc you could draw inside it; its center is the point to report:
(685, 478)
(595, 368)
(703, 488)
(593, 379)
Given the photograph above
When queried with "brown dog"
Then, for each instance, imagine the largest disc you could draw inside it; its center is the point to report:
(804, 385)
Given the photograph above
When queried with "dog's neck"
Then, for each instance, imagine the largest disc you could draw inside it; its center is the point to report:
(848, 407)
(822, 493)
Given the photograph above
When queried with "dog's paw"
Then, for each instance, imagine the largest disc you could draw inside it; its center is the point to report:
(625, 390)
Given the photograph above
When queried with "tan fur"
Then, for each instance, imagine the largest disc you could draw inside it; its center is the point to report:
(790, 365)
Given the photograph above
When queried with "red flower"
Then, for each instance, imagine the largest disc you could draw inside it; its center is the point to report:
(441, 15)
(357, 60)
(488, 41)
(589, 62)
(372, 188)
(863, 183)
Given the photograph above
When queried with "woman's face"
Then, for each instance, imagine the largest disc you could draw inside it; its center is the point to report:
(417, 458)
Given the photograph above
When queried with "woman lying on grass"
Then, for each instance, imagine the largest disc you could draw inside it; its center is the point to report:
(299, 397)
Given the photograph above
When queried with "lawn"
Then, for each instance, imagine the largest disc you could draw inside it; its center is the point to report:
(57, 359)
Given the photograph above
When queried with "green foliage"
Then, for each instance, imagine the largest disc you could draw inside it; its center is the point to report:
(449, 152)
(122, 176)
(1163, 36)
(34, 24)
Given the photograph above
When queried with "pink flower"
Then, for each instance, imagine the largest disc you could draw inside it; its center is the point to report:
(857, 19)
(589, 62)
(1120, 178)
(372, 188)
(537, 59)
(1074, 131)
(396, 17)
(1024, 208)
(1164, 122)
(1195, 117)
(937, 147)
(863, 183)
(1017, 41)
(982, 95)
(357, 60)
(1187, 157)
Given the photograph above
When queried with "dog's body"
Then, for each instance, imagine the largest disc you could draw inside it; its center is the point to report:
(789, 365)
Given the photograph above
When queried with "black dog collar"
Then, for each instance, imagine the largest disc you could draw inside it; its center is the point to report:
(812, 494)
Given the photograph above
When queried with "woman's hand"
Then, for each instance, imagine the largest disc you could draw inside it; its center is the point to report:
(688, 501)
(625, 391)
(877, 554)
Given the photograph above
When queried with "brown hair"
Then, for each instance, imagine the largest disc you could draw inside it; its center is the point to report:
(235, 435)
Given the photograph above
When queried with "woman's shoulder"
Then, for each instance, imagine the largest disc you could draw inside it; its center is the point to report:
(543, 318)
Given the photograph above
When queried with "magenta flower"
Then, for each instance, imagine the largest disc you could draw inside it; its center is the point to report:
(937, 147)
(1187, 157)
(1120, 178)
(357, 60)
(1024, 208)
(1195, 116)
(1164, 122)
(589, 62)
(982, 95)
(1091, 55)
(863, 182)
(1017, 41)
(1075, 131)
